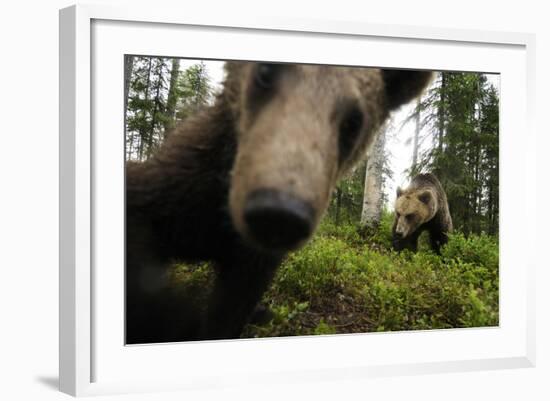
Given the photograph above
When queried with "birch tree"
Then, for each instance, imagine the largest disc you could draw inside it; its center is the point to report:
(373, 196)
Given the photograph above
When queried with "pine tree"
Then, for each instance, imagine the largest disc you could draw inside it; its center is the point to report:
(196, 90)
(461, 114)
(158, 95)
(173, 95)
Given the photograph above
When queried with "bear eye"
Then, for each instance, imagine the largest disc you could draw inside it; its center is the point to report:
(266, 74)
(350, 127)
(409, 216)
(352, 122)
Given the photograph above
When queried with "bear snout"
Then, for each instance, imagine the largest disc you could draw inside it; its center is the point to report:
(277, 220)
(399, 231)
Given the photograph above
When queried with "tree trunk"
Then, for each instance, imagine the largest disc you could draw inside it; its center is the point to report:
(172, 97)
(373, 194)
(200, 86)
(416, 135)
(156, 108)
(441, 113)
(142, 133)
(128, 67)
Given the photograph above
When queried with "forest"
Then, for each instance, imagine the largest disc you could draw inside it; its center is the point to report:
(348, 279)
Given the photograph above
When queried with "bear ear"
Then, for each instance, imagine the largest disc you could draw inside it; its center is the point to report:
(399, 192)
(425, 197)
(402, 86)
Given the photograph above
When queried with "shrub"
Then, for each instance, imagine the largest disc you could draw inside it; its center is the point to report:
(351, 286)
(343, 282)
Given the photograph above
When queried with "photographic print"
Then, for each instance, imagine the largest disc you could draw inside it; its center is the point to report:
(275, 199)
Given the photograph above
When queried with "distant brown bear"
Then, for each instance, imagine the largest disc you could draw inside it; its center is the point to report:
(242, 183)
(421, 207)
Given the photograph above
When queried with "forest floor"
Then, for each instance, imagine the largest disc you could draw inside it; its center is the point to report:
(347, 282)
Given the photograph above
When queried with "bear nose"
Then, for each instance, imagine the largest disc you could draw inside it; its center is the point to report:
(278, 220)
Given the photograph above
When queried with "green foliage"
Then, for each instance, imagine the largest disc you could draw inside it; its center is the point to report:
(159, 95)
(287, 321)
(195, 90)
(481, 250)
(380, 237)
(324, 328)
(347, 200)
(146, 106)
(351, 286)
(350, 233)
(194, 279)
(348, 279)
(343, 283)
(461, 114)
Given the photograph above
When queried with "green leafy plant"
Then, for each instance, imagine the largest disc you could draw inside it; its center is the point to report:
(342, 283)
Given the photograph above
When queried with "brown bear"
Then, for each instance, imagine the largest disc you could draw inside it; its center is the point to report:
(242, 183)
(421, 207)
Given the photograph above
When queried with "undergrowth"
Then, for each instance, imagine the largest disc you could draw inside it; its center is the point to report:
(349, 280)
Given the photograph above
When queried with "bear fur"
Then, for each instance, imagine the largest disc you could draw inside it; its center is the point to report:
(243, 182)
(421, 207)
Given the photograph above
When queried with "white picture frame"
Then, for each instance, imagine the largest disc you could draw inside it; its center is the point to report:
(93, 358)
